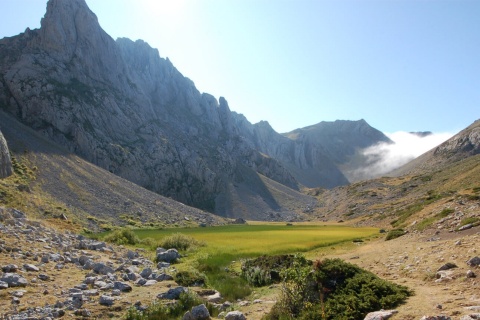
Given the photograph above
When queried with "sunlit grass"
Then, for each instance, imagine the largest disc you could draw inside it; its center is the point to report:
(266, 238)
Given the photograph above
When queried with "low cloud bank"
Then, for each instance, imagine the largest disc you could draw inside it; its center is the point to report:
(383, 157)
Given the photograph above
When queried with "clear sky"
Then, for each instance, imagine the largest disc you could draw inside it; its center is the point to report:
(400, 65)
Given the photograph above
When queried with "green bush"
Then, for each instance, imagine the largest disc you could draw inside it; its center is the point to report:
(122, 236)
(395, 233)
(189, 278)
(334, 290)
(180, 241)
(265, 270)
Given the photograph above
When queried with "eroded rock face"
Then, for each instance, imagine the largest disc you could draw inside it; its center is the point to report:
(5, 161)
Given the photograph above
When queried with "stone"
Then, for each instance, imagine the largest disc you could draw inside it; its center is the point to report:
(122, 286)
(214, 298)
(235, 315)
(106, 300)
(441, 317)
(470, 274)
(200, 312)
(173, 293)
(30, 267)
(447, 266)
(6, 168)
(3, 285)
(102, 268)
(473, 262)
(14, 280)
(171, 255)
(146, 273)
(10, 268)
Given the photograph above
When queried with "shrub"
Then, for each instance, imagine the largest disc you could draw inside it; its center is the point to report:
(395, 233)
(180, 241)
(189, 278)
(334, 290)
(265, 270)
(444, 213)
(122, 236)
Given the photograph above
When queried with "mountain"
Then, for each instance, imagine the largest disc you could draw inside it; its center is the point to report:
(120, 106)
(5, 161)
(464, 144)
(445, 177)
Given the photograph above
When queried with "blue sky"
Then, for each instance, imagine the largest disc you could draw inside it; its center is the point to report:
(400, 65)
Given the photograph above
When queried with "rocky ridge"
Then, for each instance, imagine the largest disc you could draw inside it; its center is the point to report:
(121, 106)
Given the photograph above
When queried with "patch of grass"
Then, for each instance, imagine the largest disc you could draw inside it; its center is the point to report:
(190, 278)
(469, 220)
(395, 233)
(444, 213)
(425, 223)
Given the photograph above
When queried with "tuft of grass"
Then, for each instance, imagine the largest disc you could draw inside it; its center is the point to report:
(469, 220)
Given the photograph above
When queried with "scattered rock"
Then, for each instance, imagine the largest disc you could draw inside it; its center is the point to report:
(106, 300)
(30, 267)
(122, 286)
(171, 255)
(447, 266)
(380, 315)
(235, 315)
(471, 274)
(14, 280)
(173, 293)
(473, 262)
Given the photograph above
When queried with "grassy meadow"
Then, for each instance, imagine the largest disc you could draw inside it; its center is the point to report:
(257, 239)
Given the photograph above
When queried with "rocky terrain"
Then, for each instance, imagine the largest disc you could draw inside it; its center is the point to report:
(49, 274)
(120, 106)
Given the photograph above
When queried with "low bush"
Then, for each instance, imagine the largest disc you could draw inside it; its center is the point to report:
(334, 290)
(122, 237)
(265, 270)
(180, 241)
(395, 233)
(189, 278)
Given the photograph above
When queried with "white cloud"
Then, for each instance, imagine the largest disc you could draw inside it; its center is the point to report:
(383, 157)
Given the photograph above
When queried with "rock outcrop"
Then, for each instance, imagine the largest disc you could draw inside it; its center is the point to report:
(5, 161)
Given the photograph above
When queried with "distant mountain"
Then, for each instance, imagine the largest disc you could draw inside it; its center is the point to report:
(120, 106)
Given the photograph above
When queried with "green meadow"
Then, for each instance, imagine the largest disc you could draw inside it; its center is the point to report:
(258, 239)
(216, 253)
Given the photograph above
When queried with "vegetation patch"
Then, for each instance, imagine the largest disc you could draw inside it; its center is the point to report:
(123, 237)
(395, 233)
(266, 270)
(158, 310)
(334, 290)
(180, 241)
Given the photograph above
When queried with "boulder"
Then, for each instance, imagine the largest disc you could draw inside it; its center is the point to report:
(474, 262)
(171, 255)
(380, 315)
(122, 286)
(199, 312)
(235, 315)
(5, 160)
(14, 280)
(106, 300)
(173, 293)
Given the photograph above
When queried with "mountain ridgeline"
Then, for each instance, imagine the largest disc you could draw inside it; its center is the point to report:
(121, 106)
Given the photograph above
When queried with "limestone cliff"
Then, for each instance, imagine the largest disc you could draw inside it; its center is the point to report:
(5, 161)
